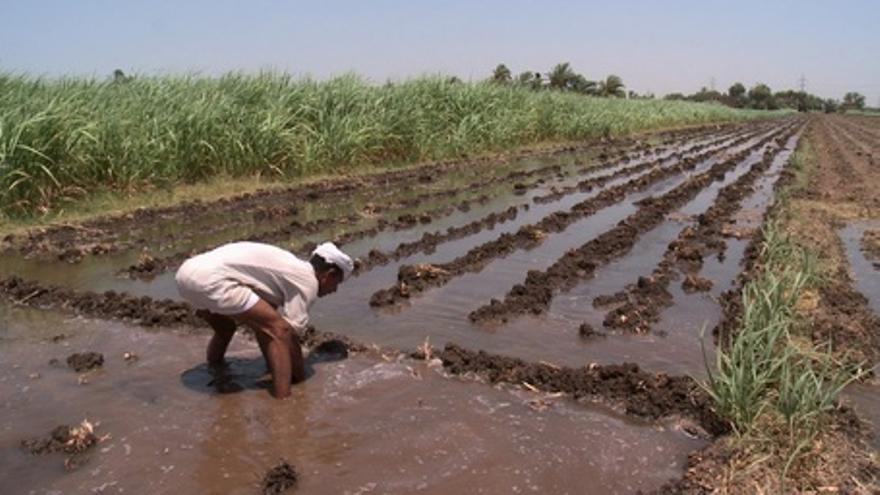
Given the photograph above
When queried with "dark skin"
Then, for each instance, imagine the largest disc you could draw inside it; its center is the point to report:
(278, 341)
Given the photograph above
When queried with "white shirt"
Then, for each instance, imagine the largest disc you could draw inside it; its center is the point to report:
(274, 274)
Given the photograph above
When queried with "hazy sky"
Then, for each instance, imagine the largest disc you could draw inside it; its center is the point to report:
(659, 46)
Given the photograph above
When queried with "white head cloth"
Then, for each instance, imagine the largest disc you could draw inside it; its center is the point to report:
(332, 254)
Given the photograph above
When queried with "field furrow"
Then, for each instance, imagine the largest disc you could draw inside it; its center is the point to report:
(639, 307)
(536, 292)
(413, 279)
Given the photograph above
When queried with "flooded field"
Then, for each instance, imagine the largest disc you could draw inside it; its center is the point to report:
(357, 425)
(487, 330)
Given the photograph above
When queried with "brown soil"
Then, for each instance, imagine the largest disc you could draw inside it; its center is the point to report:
(101, 235)
(279, 479)
(837, 189)
(640, 393)
(837, 461)
(75, 441)
(81, 362)
(149, 266)
(587, 185)
(412, 280)
(430, 240)
(694, 283)
(146, 227)
(535, 294)
(139, 310)
(645, 300)
(58, 440)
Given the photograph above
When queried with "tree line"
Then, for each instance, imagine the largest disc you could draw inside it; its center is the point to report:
(760, 96)
(562, 77)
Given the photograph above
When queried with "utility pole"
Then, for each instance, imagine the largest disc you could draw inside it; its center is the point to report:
(802, 82)
(712, 83)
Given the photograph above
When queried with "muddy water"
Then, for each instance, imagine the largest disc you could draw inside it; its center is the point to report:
(363, 424)
(100, 274)
(442, 313)
(865, 397)
(675, 345)
(867, 277)
(355, 426)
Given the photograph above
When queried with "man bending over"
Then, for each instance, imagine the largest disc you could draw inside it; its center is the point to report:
(267, 289)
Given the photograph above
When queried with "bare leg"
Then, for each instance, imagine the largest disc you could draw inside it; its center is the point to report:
(264, 348)
(277, 341)
(224, 329)
(296, 358)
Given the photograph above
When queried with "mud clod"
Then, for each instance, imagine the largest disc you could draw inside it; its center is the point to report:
(279, 479)
(640, 393)
(75, 441)
(587, 331)
(332, 348)
(693, 283)
(85, 361)
(871, 246)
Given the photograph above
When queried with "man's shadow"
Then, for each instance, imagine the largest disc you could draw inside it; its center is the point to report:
(239, 374)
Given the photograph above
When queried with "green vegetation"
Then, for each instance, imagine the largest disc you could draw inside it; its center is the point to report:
(764, 368)
(68, 139)
(760, 96)
(775, 387)
(562, 78)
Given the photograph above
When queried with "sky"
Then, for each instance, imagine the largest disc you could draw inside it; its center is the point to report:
(655, 46)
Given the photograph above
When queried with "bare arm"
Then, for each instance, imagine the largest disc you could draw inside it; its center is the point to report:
(279, 344)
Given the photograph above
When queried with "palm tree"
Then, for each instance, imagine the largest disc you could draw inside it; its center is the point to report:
(580, 84)
(531, 80)
(561, 76)
(612, 87)
(501, 75)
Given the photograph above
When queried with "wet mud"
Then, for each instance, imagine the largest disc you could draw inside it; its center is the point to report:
(360, 424)
(62, 438)
(416, 279)
(101, 235)
(611, 385)
(594, 182)
(642, 304)
(74, 441)
(338, 454)
(85, 361)
(280, 479)
(110, 305)
(836, 315)
(640, 393)
(841, 316)
(147, 227)
(149, 266)
(534, 295)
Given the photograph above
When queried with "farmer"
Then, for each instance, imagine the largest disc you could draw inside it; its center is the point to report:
(266, 288)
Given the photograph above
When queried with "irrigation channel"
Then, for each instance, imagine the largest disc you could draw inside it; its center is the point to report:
(483, 345)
